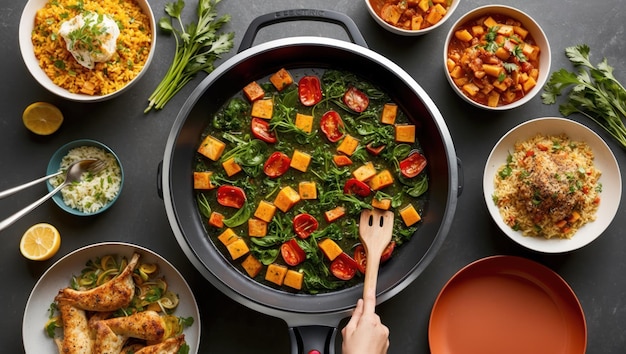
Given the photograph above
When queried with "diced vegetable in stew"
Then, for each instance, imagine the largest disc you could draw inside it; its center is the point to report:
(285, 167)
(493, 60)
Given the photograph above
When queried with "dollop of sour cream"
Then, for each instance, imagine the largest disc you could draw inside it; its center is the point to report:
(90, 37)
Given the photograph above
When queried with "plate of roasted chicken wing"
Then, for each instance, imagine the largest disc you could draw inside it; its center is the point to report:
(111, 297)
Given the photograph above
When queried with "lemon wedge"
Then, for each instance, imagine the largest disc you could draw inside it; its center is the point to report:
(42, 118)
(40, 242)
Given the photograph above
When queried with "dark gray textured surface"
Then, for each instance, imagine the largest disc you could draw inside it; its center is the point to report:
(595, 273)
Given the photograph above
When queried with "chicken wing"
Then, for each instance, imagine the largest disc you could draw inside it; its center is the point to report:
(146, 325)
(76, 335)
(168, 346)
(110, 296)
(107, 341)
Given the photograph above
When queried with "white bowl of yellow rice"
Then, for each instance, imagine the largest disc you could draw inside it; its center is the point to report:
(525, 191)
(45, 48)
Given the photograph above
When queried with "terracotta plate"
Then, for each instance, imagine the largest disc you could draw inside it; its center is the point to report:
(505, 304)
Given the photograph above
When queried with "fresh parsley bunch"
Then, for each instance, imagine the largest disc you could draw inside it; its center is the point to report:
(198, 45)
(595, 92)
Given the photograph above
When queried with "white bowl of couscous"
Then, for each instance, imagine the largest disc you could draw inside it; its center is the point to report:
(87, 50)
(496, 57)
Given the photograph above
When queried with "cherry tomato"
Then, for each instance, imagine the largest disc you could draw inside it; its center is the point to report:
(332, 126)
(304, 225)
(261, 130)
(360, 258)
(387, 252)
(231, 196)
(343, 267)
(356, 100)
(292, 252)
(413, 164)
(276, 165)
(309, 90)
(354, 186)
(374, 150)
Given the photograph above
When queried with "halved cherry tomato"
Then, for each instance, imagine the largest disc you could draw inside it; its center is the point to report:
(343, 267)
(356, 100)
(374, 150)
(304, 225)
(387, 252)
(413, 164)
(261, 130)
(360, 257)
(292, 252)
(276, 165)
(309, 90)
(231, 196)
(332, 126)
(354, 186)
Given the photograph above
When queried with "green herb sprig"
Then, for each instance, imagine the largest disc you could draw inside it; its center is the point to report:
(198, 45)
(595, 92)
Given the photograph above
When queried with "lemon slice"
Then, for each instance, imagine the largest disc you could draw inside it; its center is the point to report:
(42, 118)
(40, 242)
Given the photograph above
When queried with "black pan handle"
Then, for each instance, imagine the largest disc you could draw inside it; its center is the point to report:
(312, 339)
(329, 16)
(459, 164)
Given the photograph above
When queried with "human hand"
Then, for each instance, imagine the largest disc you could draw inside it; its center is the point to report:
(364, 333)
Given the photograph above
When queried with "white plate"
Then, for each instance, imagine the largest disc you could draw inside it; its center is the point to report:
(604, 161)
(58, 276)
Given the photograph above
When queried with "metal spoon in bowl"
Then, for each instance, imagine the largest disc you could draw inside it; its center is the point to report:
(375, 231)
(74, 174)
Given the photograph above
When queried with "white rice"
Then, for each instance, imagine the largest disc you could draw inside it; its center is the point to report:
(93, 192)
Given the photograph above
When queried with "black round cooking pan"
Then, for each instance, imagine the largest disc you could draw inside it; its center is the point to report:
(312, 319)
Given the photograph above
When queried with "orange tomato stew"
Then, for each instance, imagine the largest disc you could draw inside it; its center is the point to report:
(411, 14)
(494, 60)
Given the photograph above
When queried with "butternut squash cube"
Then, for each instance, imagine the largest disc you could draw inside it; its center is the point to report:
(281, 79)
(300, 160)
(409, 215)
(365, 172)
(405, 133)
(492, 70)
(304, 122)
(228, 236)
(216, 219)
(238, 248)
(478, 31)
(286, 199)
(202, 180)
(463, 35)
(436, 13)
(348, 145)
(383, 204)
(505, 30)
(493, 98)
(231, 167)
(471, 89)
(307, 190)
(294, 279)
(381, 180)
(263, 108)
(520, 31)
(211, 148)
(457, 72)
(334, 214)
(253, 91)
(416, 22)
(257, 227)
(423, 5)
(265, 211)
(490, 22)
(330, 248)
(342, 160)
(502, 53)
(390, 112)
(276, 273)
(529, 84)
(252, 266)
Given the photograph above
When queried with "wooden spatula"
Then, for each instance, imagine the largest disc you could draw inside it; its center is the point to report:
(375, 229)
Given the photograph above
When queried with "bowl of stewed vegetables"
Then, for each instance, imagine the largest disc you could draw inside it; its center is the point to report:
(496, 57)
(411, 18)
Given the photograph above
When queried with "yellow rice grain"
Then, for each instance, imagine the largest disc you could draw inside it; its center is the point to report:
(133, 46)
